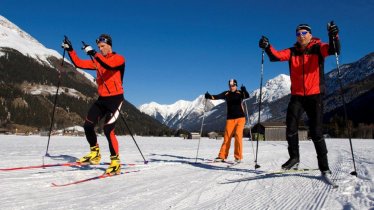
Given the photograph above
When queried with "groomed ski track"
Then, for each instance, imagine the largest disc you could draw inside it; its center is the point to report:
(171, 180)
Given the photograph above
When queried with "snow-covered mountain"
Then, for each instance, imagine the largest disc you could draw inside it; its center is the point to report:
(174, 115)
(358, 87)
(273, 89)
(28, 86)
(11, 36)
(185, 114)
(350, 73)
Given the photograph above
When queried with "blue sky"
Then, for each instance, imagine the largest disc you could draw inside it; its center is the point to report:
(179, 49)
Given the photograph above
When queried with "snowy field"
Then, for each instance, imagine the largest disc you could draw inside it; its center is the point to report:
(171, 181)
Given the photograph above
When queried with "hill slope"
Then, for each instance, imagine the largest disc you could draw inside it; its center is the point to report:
(29, 76)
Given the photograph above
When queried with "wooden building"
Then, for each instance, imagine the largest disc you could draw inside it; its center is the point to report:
(276, 131)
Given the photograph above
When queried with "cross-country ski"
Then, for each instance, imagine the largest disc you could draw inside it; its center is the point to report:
(68, 164)
(102, 176)
(327, 178)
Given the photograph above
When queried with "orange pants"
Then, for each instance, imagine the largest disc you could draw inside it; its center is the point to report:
(234, 127)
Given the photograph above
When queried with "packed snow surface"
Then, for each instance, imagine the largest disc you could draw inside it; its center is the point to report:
(171, 180)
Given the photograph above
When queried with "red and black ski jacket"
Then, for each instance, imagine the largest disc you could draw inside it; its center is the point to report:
(306, 66)
(234, 102)
(109, 74)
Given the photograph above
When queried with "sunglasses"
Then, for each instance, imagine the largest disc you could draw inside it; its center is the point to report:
(232, 85)
(101, 39)
(303, 33)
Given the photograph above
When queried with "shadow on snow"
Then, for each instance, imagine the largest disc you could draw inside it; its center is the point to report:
(201, 163)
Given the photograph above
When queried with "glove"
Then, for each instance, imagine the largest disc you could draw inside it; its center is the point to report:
(89, 50)
(264, 42)
(208, 96)
(66, 44)
(243, 89)
(332, 29)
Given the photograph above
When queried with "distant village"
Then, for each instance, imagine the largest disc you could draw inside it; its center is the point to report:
(268, 131)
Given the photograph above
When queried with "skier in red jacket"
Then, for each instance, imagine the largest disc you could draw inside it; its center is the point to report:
(109, 68)
(306, 65)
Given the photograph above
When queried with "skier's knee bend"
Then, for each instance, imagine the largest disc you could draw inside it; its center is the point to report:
(292, 135)
(108, 129)
(88, 126)
(318, 140)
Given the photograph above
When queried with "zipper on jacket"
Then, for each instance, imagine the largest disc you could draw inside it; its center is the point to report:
(115, 86)
(304, 73)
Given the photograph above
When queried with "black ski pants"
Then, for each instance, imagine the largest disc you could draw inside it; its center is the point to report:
(313, 107)
(107, 107)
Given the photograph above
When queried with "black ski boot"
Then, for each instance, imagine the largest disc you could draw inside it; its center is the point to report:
(292, 163)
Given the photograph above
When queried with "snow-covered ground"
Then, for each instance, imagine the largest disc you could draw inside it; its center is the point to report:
(169, 181)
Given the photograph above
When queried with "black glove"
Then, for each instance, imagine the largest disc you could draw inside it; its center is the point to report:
(89, 50)
(332, 29)
(264, 42)
(66, 44)
(208, 96)
(243, 89)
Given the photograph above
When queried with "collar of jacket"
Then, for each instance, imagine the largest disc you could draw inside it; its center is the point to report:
(109, 55)
(312, 42)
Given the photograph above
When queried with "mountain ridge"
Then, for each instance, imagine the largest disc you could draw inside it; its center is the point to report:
(29, 74)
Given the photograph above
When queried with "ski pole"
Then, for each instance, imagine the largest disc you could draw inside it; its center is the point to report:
(121, 114)
(201, 131)
(132, 136)
(248, 124)
(259, 108)
(343, 101)
(55, 102)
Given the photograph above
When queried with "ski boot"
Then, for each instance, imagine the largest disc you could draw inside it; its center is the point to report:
(92, 158)
(292, 163)
(114, 167)
(326, 173)
(218, 159)
(237, 161)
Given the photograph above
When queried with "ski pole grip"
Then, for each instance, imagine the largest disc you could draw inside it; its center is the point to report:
(330, 24)
(84, 45)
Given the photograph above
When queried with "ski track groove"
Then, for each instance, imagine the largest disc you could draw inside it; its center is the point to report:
(300, 182)
(360, 188)
(194, 193)
(199, 194)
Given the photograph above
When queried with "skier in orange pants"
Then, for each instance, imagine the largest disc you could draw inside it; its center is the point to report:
(235, 120)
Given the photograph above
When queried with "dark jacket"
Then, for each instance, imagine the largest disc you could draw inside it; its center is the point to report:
(234, 102)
